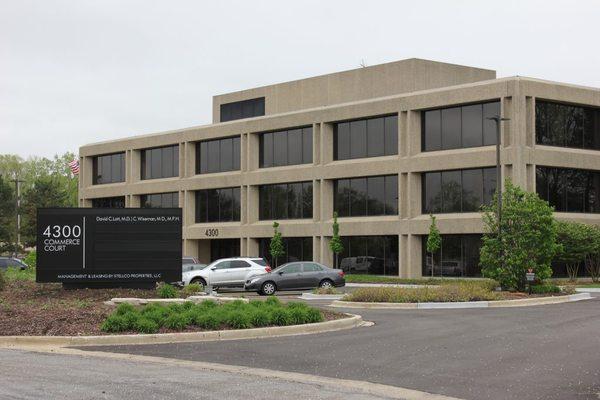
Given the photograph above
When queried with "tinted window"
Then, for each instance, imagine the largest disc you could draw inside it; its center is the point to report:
(243, 109)
(161, 162)
(567, 126)
(219, 155)
(285, 201)
(292, 269)
(459, 127)
(295, 249)
(375, 195)
(223, 265)
(458, 256)
(108, 169)
(218, 205)
(109, 202)
(371, 137)
(370, 255)
(224, 248)
(311, 267)
(289, 147)
(160, 200)
(569, 190)
(239, 264)
(458, 190)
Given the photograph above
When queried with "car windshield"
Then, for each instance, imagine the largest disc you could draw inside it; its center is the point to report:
(193, 267)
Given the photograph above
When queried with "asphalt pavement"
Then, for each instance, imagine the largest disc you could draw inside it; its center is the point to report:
(541, 352)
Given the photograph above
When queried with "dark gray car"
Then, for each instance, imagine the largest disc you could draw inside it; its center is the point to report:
(10, 262)
(294, 276)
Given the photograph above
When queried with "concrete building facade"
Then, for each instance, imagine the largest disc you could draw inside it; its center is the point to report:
(384, 146)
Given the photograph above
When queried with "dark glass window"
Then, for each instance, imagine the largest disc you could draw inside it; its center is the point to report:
(362, 138)
(458, 190)
(370, 255)
(458, 256)
(569, 190)
(224, 248)
(160, 162)
(566, 125)
(109, 202)
(218, 205)
(289, 147)
(285, 201)
(243, 109)
(374, 195)
(459, 127)
(160, 200)
(218, 155)
(295, 248)
(108, 169)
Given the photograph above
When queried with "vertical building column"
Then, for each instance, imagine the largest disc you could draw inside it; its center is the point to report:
(251, 149)
(190, 248)
(316, 200)
(327, 257)
(403, 197)
(189, 209)
(316, 248)
(326, 143)
(189, 161)
(244, 204)
(134, 166)
(414, 253)
(414, 195)
(252, 247)
(134, 201)
(403, 265)
(326, 203)
(413, 129)
(251, 205)
(403, 134)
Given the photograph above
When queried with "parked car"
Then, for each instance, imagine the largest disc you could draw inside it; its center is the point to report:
(362, 264)
(189, 260)
(11, 262)
(227, 272)
(294, 276)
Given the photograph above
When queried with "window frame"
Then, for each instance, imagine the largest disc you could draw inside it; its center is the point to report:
(365, 120)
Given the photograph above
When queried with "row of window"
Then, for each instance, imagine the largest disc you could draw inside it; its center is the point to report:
(286, 201)
(289, 147)
(218, 205)
(372, 137)
(160, 162)
(569, 190)
(566, 125)
(374, 195)
(218, 155)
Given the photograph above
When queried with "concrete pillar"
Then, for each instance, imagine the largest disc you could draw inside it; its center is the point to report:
(250, 151)
(414, 195)
(203, 251)
(326, 203)
(326, 143)
(134, 200)
(316, 200)
(414, 256)
(189, 209)
(403, 198)
(316, 246)
(414, 132)
(252, 247)
(189, 162)
(403, 139)
(327, 257)
(133, 164)
(403, 262)
(190, 247)
(252, 204)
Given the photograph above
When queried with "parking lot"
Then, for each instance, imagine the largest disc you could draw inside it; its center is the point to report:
(540, 352)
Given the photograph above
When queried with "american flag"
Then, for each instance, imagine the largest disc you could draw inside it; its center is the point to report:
(74, 165)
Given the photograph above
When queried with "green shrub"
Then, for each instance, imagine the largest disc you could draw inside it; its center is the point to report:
(313, 315)
(188, 305)
(465, 291)
(326, 290)
(297, 315)
(256, 303)
(260, 318)
(31, 259)
(236, 304)
(158, 315)
(192, 289)
(207, 321)
(166, 291)
(239, 320)
(2, 281)
(146, 325)
(280, 316)
(176, 321)
(114, 323)
(130, 319)
(297, 304)
(273, 301)
(176, 308)
(545, 288)
(124, 308)
(209, 304)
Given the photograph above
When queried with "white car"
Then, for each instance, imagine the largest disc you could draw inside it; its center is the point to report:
(227, 272)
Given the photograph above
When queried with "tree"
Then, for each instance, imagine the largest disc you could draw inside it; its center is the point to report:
(434, 241)
(46, 192)
(527, 240)
(575, 240)
(592, 260)
(7, 216)
(276, 246)
(336, 244)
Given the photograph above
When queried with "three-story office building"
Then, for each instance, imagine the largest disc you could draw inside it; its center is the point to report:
(384, 146)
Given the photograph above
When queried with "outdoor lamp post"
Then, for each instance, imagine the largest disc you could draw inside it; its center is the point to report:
(498, 120)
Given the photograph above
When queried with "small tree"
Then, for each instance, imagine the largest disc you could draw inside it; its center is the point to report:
(527, 240)
(276, 246)
(575, 243)
(592, 260)
(434, 241)
(335, 244)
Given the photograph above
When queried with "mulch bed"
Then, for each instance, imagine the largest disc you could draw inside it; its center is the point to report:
(28, 308)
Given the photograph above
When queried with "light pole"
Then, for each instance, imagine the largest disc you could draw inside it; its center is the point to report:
(17, 183)
(498, 120)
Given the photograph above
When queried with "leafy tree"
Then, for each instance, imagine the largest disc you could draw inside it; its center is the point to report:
(592, 260)
(527, 238)
(44, 193)
(576, 242)
(276, 246)
(335, 244)
(434, 241)
(7, 216)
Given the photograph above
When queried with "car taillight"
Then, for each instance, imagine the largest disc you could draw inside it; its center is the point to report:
(268, 269)
(341, 274)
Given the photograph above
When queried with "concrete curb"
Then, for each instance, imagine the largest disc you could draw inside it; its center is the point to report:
(587, 290)
(160, 338)
(400, 285)
(196, 299)
(312, 296)
(467, 304)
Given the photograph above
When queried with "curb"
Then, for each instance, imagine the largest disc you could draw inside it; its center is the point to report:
(400, 285)
(587, 290)
(312, 296)
(352, 321)
(466, 304)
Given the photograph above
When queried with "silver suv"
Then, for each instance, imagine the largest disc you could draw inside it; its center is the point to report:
(227, 272)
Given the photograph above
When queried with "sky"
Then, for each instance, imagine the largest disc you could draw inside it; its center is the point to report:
(79, 71)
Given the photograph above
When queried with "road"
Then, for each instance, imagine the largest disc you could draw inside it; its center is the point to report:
(542, 352)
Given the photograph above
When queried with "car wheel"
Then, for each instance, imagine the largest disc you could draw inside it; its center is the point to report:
(199, 281)
(268, 288)
(326, 283)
